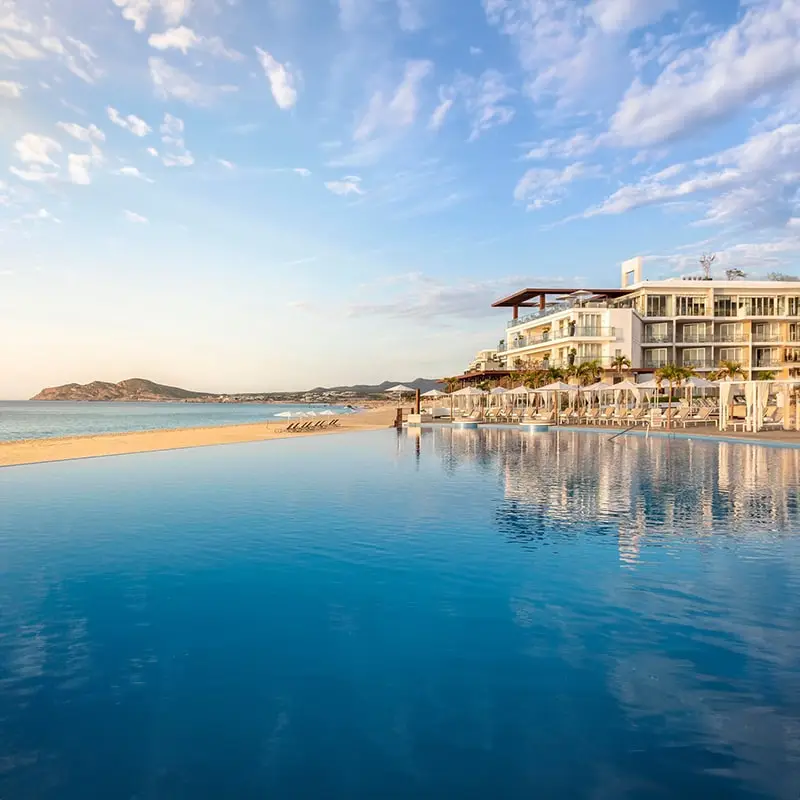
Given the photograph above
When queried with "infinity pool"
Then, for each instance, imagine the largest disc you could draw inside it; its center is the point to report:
(451, 614)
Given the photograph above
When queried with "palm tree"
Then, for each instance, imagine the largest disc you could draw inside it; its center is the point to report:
(674, 376)
(767, 375)
(452, 384)
(620, 363)
(553, 374)
(589, 372)
(728, 371)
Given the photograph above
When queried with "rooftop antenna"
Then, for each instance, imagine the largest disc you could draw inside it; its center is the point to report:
(706, 261)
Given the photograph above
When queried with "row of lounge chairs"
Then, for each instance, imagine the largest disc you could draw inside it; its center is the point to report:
(312, 425)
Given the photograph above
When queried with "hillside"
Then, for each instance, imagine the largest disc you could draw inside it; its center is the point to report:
(132, 389)
(423, 384)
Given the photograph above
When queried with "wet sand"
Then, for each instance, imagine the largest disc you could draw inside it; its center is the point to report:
(35, 451)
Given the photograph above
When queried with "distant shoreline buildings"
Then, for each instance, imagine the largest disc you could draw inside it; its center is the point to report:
(693, 322)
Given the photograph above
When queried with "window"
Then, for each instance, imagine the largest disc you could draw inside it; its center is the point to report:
(694, 357)
(690, 306)
(761, 306)
(794, 306)
(657, 357)
(658, 332)
(590, 352)
(766, 332)
(725, 306)
(657, 305)
(591, 324)
(731, 354)
(696, 332)
(730, 332)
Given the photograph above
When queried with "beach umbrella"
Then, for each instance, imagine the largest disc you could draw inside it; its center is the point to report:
(498, 390)
(327, 413)
(435, 393)
(600, 386)
(285, 414)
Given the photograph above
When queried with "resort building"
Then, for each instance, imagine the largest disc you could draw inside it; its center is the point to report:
(690, 321)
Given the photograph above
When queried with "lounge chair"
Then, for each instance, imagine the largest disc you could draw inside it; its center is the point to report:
(606, 415)
(590, 416)
(702, 417)
(570, 416)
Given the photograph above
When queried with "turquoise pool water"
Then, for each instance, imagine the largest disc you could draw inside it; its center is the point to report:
(474, 614)
(34, 419)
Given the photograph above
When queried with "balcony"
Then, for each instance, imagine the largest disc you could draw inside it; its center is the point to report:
(555, 336)
(767, 363)
(766, 337)
(657, 338)
(698, 363)
(695, 338)
(554, 308)
(654, 363)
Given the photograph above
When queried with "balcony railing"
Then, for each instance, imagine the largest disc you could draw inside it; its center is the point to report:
(655, 363)
(545, 312)
(658, 338)
(766, 337)
(695, 338)
(766, 363)
(698, 363)
(554, 336)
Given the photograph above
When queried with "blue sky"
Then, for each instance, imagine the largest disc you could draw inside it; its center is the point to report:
(238, 195)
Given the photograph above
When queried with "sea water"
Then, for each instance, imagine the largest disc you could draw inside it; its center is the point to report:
(429, 614)
(43, 419)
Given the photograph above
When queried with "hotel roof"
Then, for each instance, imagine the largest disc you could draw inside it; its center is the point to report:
(522, 298)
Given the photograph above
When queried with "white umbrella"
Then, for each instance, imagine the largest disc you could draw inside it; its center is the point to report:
(600, 386)
(400, 389)
(626, 386)
(285, 414)
(327, 413)
(498, 390)
(435, 393)
(519, 390)
(469, 391)
(558, 386)
(699, 383)
(651, 384)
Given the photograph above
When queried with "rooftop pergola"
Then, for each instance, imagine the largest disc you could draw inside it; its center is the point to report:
(537, 298)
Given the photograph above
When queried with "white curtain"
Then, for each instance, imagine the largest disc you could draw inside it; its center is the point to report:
(724, 400)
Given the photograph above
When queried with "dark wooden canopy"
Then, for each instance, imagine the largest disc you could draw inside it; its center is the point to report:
(523, 298)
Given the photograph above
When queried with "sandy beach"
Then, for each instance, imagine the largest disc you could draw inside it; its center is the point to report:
(35, 451)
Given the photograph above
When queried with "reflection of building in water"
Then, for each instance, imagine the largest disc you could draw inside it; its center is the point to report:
(634, 488)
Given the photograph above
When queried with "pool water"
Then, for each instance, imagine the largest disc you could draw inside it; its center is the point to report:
(434, 614)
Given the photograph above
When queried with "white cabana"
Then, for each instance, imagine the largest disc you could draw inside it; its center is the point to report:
(756, 395)
(472, 397)
(555, 390)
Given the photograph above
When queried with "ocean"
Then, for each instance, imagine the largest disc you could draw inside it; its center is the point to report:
(42, 419)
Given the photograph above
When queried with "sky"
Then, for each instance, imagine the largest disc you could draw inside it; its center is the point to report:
(231, 195)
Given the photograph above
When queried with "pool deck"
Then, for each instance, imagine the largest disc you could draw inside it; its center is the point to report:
(36, 451)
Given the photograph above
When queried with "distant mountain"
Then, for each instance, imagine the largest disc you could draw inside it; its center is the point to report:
(423, 384)
(131, 390)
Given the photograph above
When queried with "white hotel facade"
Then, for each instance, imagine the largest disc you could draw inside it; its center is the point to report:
(685, 321)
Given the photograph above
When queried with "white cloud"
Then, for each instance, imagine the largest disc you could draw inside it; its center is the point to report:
(754, 184)
(35, 173)
(346, 186)
(184, 39)
(42, 215)
(88, 135)
(302, 172)
(225, 163)
(540, 187)
(78, 168)
(475, 51)
(138, 11)
(176, 154)
(446, 100)
(410, 15)
(757, 55)
(401, 110)
(621, 16)
(579, 144)
(132, 123)
(18, 49)
(132, 216)
(281, 80)
(153, 152)
(52, 44)
(484, 98)
(133, 172)
(9, 21)
(170, 82)
(76, 56)
(35, 149)
(11, 89)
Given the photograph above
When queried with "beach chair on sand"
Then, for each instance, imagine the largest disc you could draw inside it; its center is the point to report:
(702, 417)
(606, 415)
(590, 417)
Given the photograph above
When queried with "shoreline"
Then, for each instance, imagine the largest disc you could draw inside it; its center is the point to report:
(38, 451)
